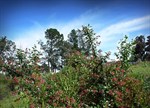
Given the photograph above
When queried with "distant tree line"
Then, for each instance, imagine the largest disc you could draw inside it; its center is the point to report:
(56, 49)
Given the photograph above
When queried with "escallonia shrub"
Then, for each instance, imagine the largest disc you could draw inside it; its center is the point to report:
(55, 90)
(107, 85)
(24, 63)
(100, 89)
(85, 81)
(104, 88)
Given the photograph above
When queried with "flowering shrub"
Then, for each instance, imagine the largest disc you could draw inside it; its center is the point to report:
(104, 87)
(85, 81)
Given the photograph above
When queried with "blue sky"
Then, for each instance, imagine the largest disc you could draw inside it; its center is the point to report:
(25, 21)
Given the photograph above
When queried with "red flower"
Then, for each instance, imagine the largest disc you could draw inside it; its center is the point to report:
(72, 100)
(27, 81)
(121, 83)
(118, 93)
(68, 106)
(32, 106)
(16, 81)
(9, 62)
(85, 91)
(127, 90)
(3, 69)
(54, 104)
(17, 71)
(42, 81)
(110, 92)
(77, 52)
(94, 91)
(57, 97)
(112, 73)
(100, 92)
(67, 98)
(117, 68)
(118, 99)
(114, 79)
(95, 75)
(33, 75)
(48, 87)
(59, 92)
(122, 70)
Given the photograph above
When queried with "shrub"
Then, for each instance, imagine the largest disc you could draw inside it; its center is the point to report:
(85, 81)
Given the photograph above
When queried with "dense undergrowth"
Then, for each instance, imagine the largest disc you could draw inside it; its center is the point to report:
(67, 84)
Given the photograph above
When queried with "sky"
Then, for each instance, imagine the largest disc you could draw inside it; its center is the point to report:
(25, 21)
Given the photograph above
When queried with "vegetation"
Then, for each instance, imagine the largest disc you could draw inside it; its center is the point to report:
(86, 78)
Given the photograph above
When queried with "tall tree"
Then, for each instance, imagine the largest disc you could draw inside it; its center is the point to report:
(147, 50)
(83, 40)
(90, 40)
(139, 48)
(7, 49)
(52, 47)
(73, 39)
(66, 49)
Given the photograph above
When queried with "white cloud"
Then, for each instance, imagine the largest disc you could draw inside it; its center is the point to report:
(109, 33)
(28, 38)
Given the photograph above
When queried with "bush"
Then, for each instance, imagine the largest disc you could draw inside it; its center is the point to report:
(85, 81)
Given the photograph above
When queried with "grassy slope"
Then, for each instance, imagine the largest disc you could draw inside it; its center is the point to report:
(140, 71)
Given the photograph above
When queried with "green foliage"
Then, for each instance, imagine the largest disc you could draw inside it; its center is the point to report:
(26, 62)
(87, 80)
(73, 39)
(84, 40)
(125, 52)
(7, 49)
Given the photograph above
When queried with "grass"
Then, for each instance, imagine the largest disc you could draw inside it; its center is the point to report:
(140, 71)
(12, 102)
(4, 89)
(7, 100)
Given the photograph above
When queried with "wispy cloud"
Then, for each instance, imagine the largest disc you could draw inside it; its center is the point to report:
(111, 35)
(28, 38)
(110, 32)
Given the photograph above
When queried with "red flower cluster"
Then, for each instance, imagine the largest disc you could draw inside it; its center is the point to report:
(15, 80)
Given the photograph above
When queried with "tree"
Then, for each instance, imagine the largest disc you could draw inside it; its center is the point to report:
(89, 36)
(147, 50)
(139, 48)
(7, 49)
(83, 40)
(66, 49)
(52, 47)
(73, 39)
